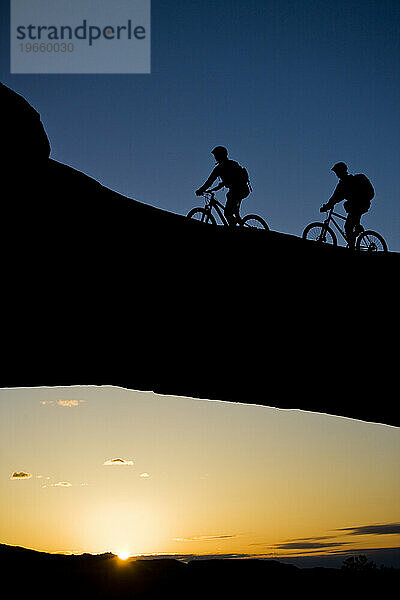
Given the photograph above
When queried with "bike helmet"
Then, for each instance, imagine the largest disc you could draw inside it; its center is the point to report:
(339, 167)
(220, 153)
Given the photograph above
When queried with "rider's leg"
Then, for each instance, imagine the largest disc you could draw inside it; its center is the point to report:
(364, 207)
(230, 209)
(352, 227)
(237, 209)
(355, 210)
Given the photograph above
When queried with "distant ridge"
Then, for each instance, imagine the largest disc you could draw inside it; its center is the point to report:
(104, 576)
(104, 290)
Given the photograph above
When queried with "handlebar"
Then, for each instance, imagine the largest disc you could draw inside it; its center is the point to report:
(208, 195)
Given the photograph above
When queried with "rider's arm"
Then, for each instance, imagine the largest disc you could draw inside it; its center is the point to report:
(336, 197)
(209, 181)
(217, 187)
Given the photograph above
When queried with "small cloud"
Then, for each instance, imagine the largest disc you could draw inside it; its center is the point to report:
(62, 484)
(314, 539)
(117, 462)
(204, 538)
(20, 475)
(309, 543)
(62, 402)
(68, 403)
(144, 475)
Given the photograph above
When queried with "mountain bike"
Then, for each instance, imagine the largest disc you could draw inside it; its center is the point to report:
(367, 240)
(205, 215)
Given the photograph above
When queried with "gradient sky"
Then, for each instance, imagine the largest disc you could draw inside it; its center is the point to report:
(94, 469)
(289, 87)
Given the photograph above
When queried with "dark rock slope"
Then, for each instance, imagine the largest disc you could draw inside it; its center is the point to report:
(101, 289)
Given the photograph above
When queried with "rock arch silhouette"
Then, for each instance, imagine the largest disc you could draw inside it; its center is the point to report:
(100, 289)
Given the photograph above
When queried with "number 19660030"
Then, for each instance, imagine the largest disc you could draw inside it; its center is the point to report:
(47, 47)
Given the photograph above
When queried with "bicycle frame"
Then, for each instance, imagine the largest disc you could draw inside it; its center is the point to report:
(212, 202)
(330, 218)
(248, 221)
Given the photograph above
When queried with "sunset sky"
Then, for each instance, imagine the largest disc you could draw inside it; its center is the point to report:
(95, 469)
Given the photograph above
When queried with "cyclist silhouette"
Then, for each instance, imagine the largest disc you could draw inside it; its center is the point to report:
(234, 177)
(358, 192)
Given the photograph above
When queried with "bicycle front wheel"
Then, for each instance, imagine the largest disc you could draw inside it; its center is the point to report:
(203, 215)
(254, 222)
(318, 232)
(371, 242)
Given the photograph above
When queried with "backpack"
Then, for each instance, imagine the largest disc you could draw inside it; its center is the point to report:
(363, 187)
(241, 178)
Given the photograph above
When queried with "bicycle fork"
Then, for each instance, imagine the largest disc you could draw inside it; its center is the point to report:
(207, 215)
(322, 235)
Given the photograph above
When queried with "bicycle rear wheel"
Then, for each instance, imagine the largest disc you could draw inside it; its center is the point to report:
(318, 232)
(371, 242)
(203, 215)
(253, 222)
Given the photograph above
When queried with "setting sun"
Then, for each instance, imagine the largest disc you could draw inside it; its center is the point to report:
(123, 555)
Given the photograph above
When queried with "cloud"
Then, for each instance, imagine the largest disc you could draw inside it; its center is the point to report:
(68, 403)
(204, 538)
(385, 529)
(62, 402)
(62, 484)
(318, 543)
(313, 539)
(190, 557)
(307, 545)
(20, 475)
(144, 475)
(117, 462)
(307, 542)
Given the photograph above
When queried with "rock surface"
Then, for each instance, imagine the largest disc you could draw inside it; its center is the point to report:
(100, 289)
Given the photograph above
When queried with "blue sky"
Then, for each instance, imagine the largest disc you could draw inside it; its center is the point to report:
(289, 87)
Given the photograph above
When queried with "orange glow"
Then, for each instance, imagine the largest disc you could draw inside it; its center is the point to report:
(225, 479)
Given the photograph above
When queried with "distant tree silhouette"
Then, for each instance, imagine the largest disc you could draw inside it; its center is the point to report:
(358, 563)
